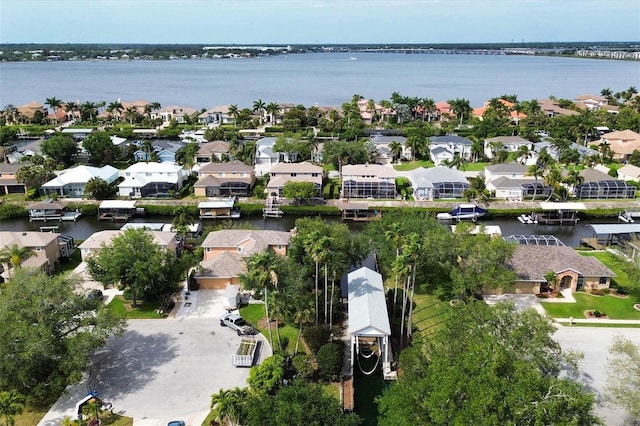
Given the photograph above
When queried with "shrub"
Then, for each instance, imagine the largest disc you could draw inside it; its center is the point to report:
(330, 361)
(316, 336)
(11, 211)
(306, 366)
(597, 292)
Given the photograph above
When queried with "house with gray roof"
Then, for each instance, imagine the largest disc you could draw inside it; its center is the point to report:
(212, 151)
(583, 151)
(8, 182)
(224, 179)
(513, 170)
(368, 181)
(532, 262)
(266, 156)
(518, 189)
(381, 145)
(509, 144)
(225, 253)
(440, 155)
(456, 145)
(437, 182)
(72, 182)
(100, 239)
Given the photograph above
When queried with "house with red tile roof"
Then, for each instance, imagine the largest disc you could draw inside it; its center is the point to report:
(621, 143)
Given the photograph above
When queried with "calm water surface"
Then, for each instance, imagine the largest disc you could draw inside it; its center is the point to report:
(313, 78)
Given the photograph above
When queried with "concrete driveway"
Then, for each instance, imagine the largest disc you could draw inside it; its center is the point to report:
(594, 343)
(162, 370)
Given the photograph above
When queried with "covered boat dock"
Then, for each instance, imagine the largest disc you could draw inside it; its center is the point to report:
(608, 234)
(222, 208)
(116, 210)
(358, 212)
(558, 213)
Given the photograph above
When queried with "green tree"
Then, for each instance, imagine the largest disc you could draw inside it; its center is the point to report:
(537, 171)
(53, 332)
(395, 148)
(623, 383)
(34, 175)
(14, 255)
(228, 405)
(98, 189)
(100, 148)
(135, 261)
(477, 190)
(273, 108)
(267, 377)
(261, 276)
(259, 108)
(182, 219)
(510, 357)
(299, 192)
(61, 148)
(329, 359)
(461, 108)
(11, 404)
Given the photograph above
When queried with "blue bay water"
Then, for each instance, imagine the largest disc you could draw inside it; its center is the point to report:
(313, 78)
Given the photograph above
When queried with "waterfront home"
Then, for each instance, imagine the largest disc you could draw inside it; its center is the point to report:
(8, 182)
(383, 152)
(222, 179)
(513, 170)
(590, 102)
(151, 180)
(628, 172)
(216, 115)
(552, 108)
(517, 189)
(456, 145)
(121, 143)
(47, 247)
(597, 184)
(100, 239)
(77, 133)
(621, 143)
(514, 115)
(282, 173)
(26, 114)
(266, 156)
(368, 181)
(164, 150)
(72, 182)
(440, 155)
(372, 113)
(437, 182)
(532, 262)
(173, 112)
(508, 143)
(225, 253)
(553, 151)
(212, 151)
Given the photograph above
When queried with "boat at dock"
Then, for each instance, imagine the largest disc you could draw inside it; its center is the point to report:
(558, 213)
(629, 216)
(463, 212)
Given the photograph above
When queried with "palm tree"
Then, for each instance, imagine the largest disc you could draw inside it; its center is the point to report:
(54, 103)
(316, 245)
(131, 113)
(574, 179)
(11, 404)
(114, 108)
(228, 405)
(413, 250)
(258, 107)
(523, 153)
(536, 170)
(14, 255)
(477, 148)
(261, 274)
(71, 107)
(394, 234)
(303, 315)
(235, 113)
(396, 150)
(605, 150)
(89, 108)
(182, 219)
(477, 189)
(428, 108)
(273, 109)
(461, 108)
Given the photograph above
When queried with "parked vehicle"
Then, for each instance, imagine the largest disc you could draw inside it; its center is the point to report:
(237, 323)
(176, 423)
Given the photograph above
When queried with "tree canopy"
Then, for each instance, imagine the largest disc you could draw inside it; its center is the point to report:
(61, 148)
(488, 365)
(300, 192)
(48, 332)
(100, 148)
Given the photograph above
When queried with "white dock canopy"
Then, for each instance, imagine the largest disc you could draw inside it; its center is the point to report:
(367, 305)
(117, 204)
(217, 204)
(562, 206)
(615, 228)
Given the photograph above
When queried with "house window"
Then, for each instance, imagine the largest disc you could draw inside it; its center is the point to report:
(279, 246)
(603, 280)
(38, 248)
(314, 174)
(239, 249)
(580, 282)
(294, 174)
(208, 249)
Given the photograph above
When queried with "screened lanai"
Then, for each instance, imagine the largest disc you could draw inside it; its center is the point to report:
(437, 182)
(605, 189)
(537, 240)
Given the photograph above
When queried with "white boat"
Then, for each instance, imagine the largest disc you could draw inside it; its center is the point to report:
(628, 216)
(463, 212)
(527, 219)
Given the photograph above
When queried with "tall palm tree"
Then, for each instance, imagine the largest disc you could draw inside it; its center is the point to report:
(261, 274)
(477, 189)
(53, 103)
(574, 179)
(14, 255)
(131, 113)
(536, 170)
(273, 108)
(88, 108)
(258, 107)
(461, 108)
(302, 315)
(71, 107)
(115, 108)
(428, 108)
(413, 249)
(394, 234)
(395, 148)
(182, 219)
(235, 113)
(228, 404)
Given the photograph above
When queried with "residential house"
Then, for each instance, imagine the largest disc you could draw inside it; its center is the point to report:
(443, 109)
(72, 182)
(621, 143)
(440, 155)
(224, 179)
(517, 189)
(437, 183)
(164, 150)
(27, 113)
(599, 185)
(591, 102)
(368, 181)
(181, 114)
(121, 143)
(532, 262)
(47, 247)
(8, 181)
(294, 172)
(514, 115)
(384, 154)
(212, 151)
(216, 115)
(377, 113)
(151, 180)
(456, 145)
(266, 156)
(508, 143)
(225, 253)
(552, 108)
(628, 172)
(552, 150)
(100, 239)
(513, 170)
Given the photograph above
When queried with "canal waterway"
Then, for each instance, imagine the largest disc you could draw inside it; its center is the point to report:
(87, 225)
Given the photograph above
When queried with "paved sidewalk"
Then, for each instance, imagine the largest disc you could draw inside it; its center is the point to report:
(597, 321)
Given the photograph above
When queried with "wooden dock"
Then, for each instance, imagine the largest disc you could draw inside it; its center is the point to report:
(346, 393)
(271, 209)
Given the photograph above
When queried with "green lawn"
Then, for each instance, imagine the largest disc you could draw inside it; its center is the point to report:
(616, 263)
(31, 416)
(428, 313)
(614, 307)
(71, 264)
(253, 313)
(411, 165)
(474, 167)
(144, 310)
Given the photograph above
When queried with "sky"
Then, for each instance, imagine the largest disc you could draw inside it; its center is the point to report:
(317, 21)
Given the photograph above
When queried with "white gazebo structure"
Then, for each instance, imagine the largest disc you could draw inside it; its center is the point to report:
(368, 318)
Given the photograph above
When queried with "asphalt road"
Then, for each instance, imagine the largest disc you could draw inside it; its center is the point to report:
(594, 343)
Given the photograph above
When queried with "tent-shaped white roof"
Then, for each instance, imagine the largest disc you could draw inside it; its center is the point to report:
(562, 206)
(82, 174)
(367, 305)
(217, 204)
